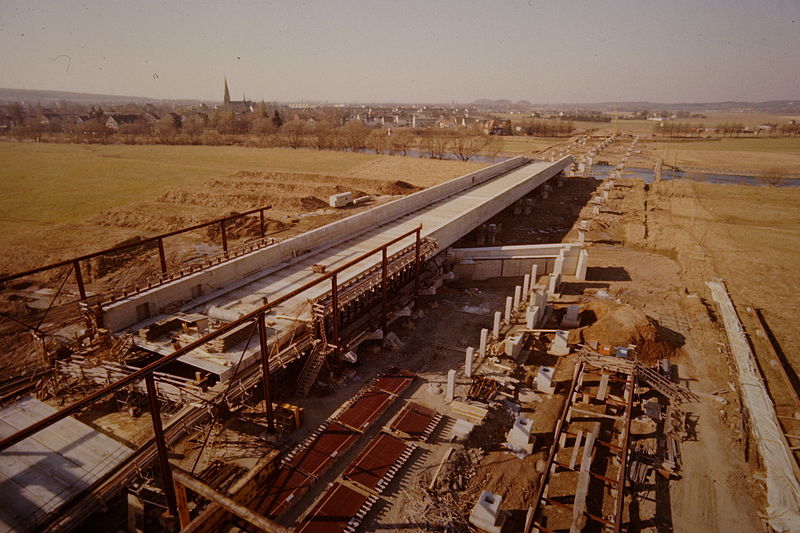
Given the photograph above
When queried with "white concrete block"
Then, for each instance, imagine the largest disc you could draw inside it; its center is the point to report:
(468, 361)
(484, 340)
(560, 345)
(534, 274)
(543, 382)
(571, 318)
(486, 514)
(517, 296)
(519, 437)
(341, 199)
(496, 326)
(513, 346)
(507, 316)
(526, 285)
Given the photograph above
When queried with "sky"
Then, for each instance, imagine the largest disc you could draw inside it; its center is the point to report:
(562, 51)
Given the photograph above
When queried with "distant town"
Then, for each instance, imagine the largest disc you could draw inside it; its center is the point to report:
(384, 128)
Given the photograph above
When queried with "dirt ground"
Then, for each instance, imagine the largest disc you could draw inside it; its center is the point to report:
(651, 248)
(659, 270)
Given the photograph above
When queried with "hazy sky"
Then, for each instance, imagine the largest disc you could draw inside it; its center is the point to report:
(407, 50)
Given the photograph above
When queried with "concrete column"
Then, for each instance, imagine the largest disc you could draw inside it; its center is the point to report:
(496, 326)
(555, 279)
(517, 296)
(581, 236)
(534, 274)
(509, 303)
(558, 267)
(468, 362)
(583, 261)
(526, 284)
(451, 386)
(484, 338)
(530, 318)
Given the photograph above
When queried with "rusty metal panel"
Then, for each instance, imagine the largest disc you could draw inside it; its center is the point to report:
(364, 411)
(323, 451)
(416, 421)
(394, 381)
(340, 509)
(283, 491)
(379, 461)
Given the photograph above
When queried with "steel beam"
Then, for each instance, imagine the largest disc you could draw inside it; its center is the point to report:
(224, 236)
(161, 444)
(76, 264)
(160, 363)
(384, 289)
(161, 256)
(262, 337)
(248, 515)
(335, 304)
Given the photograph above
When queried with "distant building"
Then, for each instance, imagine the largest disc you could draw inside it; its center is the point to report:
(237, 106)
(116, 120)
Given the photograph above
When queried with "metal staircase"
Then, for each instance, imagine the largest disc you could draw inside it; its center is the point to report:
(315, 360)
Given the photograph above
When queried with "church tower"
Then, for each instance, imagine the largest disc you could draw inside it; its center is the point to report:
(227, 98)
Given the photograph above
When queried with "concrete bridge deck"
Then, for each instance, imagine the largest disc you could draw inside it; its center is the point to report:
(445, 220)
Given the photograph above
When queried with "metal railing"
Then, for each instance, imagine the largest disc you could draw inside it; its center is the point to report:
(256, 316)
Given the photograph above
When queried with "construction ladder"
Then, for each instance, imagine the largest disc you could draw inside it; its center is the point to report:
(308, 376)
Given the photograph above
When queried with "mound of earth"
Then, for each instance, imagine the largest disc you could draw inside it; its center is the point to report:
(619, 324)
(398, 187)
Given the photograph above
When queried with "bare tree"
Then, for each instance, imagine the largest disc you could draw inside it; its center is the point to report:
(436, 142)
(193, 126)
(377, 140)
(165, 130)
(400, 141)
(354, 135)
(323, 136)
(469, 142)
(295, 132)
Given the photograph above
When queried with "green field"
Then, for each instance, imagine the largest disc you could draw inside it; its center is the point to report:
(44, 183)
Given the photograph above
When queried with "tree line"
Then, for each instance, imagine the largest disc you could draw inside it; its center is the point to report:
(265, 126)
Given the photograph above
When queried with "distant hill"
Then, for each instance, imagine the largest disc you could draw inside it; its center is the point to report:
(50, 97)
(787, 107)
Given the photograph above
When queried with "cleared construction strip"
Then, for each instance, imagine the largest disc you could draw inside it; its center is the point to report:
(783, 491)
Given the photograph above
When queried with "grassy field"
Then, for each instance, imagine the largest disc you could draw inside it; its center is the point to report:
(758, 156)
(42, 184)
(62, 200)
(528, 145)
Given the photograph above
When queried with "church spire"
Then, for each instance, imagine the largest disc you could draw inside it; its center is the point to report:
(227, 98)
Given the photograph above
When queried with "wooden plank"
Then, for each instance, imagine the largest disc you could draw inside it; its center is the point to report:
(593, 414)
(577, 446)
(601, 392)
(579, 505)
